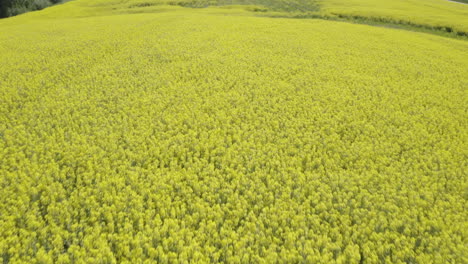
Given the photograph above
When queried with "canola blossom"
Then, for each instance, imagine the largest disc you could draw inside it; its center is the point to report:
(450, 16)
(184, 135)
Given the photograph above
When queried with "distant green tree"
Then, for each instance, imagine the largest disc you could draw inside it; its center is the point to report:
(4, 4)
(15, 7)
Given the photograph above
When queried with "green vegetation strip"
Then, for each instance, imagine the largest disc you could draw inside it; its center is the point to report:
(446, 31)
(460, 1)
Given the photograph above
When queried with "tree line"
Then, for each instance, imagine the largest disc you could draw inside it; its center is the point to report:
(15, 7)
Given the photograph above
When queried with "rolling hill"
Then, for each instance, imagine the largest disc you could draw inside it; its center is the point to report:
(233, 132)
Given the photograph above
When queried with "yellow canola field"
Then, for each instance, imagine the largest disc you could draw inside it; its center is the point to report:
(426, 15)
(200, 136)
(450, 15)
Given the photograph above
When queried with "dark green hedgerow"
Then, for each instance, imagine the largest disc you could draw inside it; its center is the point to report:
(15, 7)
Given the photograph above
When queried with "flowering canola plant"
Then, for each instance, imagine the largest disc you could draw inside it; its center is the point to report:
(209, 135)
(451, 16)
